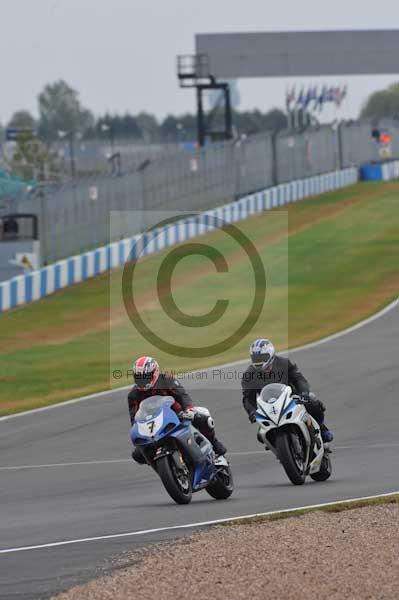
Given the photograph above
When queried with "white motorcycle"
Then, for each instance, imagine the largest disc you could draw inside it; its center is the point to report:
(287, 429)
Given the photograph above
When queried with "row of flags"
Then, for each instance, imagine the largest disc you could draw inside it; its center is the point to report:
(314, 98)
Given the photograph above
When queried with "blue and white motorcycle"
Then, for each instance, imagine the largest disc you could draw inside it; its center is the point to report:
(288, 430)
(183, 458)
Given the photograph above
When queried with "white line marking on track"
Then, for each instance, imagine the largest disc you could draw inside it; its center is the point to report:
(101, 462)
(329, 338)
(129, 460)
(187, 525)
(67, 464)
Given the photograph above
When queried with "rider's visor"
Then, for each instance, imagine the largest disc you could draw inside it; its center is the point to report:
(260, 361)
(143, 378)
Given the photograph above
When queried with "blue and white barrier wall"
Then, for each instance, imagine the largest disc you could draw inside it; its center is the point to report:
(390, 170)
(380, 172)
(39, 284)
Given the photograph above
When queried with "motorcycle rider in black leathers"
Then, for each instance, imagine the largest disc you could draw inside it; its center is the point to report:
(150, 382)
(267, 367)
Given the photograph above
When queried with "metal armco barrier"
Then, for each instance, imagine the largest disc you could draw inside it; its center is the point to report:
(39, 284)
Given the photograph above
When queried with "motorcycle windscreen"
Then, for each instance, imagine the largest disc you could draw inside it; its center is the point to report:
(152, 406)
(271, 393)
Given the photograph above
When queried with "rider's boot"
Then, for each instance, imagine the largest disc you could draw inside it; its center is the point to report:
(219, 448)
(204, 422)
(326, 435)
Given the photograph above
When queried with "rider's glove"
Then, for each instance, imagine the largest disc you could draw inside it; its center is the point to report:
(252, 417)
(187, 415)
(306, 398)
(299, 399)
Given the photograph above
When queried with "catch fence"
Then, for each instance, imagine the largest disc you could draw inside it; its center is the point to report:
(74, 217)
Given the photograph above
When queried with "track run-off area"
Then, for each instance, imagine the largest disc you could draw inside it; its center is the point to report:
(71, 499)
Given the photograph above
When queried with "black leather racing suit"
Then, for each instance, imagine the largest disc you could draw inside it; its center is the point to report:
(283, 371)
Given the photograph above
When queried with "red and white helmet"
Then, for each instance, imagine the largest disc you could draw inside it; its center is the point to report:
(145, 372)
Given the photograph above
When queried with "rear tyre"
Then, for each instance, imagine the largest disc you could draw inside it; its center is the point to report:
(292, 461)
(222, 486)
(325, 470)
(176, 481)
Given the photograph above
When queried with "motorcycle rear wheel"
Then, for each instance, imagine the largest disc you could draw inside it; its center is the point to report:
(325, 470)
(177, 484)
(296, 473)
(222, 486)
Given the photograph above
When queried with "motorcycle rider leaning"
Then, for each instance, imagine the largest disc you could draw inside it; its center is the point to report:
(149, 381)
(268, 367)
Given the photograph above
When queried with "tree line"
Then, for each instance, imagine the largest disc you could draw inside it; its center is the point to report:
(60, 110)
(383, 104)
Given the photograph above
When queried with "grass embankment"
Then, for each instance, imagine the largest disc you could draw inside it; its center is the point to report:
(335, 507)
(330, 261)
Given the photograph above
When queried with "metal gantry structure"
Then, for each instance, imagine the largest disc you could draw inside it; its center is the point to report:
(193, 71)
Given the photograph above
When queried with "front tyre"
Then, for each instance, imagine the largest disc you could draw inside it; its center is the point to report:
(291, 455)
(177, 482)
(325, 470)
(222, 486)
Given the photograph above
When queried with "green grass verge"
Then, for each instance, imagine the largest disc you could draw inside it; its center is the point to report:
(328, 508)
(330, 261)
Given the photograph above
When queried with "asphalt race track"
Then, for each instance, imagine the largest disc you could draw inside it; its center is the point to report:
(87, 487)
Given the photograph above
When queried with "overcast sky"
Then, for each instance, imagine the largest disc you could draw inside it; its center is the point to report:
(120, 54)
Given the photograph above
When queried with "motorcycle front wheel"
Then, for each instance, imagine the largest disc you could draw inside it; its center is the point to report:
(177, 482)
(292, 461)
